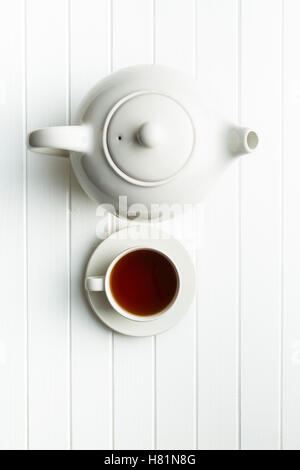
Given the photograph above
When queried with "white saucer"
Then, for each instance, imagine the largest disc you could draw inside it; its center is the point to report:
(148, 237)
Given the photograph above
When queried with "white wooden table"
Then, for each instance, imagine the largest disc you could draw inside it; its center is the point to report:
(228, 376)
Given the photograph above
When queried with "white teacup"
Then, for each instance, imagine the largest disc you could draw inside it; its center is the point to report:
(103, 284)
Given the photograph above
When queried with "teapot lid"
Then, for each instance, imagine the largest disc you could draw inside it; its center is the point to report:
(148, 137)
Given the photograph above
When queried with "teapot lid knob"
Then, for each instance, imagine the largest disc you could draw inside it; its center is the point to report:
(149, 135)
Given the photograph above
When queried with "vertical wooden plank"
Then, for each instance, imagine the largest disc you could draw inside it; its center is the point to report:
(13, 394)
(261, 225)
(175, 361)
(91, 340)
(48, 261)
(133, 357)
(291, 229)
(218, 256)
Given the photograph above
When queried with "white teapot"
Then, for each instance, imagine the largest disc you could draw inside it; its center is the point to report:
(143, 132)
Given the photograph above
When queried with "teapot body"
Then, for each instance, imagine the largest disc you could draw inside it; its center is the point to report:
(144, 134)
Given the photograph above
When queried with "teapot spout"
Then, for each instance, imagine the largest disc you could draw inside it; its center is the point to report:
(243, 140)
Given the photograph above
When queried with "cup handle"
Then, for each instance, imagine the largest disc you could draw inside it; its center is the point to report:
(94, 283)
(60, 140)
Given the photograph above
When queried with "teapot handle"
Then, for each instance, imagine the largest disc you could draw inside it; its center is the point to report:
(60, 140)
